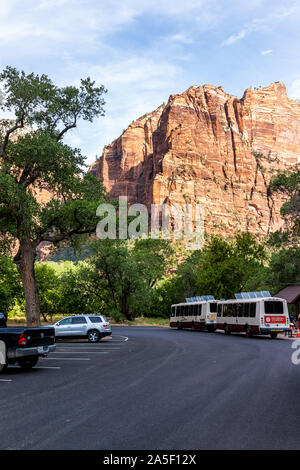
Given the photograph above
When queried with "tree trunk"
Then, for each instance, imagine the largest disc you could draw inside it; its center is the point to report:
(25, 259)
(125, 307)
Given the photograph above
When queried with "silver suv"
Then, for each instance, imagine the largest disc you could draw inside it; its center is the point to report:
(93, 327)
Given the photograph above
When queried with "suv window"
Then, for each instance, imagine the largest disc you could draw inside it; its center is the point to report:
(97, 319)
(65, 321)
(78, 320)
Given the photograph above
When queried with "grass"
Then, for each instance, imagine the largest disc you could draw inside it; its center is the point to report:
(141, 321)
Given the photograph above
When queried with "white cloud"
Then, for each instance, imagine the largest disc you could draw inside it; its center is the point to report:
(269, 51)
(181, 38)
(295, 89)
(262, 24)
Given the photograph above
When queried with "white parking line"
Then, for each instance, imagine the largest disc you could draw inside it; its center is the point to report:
(87, 350)
(67, 358)
(80, 352)
(38, 367)
(46, 367)
(5, 380)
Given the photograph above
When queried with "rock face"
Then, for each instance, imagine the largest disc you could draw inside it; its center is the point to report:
(206, 146)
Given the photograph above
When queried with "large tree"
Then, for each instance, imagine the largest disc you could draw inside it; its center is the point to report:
(34, 156)
(288, 184)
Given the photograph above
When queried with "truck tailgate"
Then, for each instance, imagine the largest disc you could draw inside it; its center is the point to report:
(39, 336)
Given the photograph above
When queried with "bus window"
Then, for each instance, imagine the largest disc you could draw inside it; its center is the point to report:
(273, 306)
(173, 312)
(199, 309)
(195, 309)
(213, 307)
(229, 310)
(239, 310)
(234, 310)
(225, 310)
(246, 310)
(219, 310)
(252, 309)
(190, 310)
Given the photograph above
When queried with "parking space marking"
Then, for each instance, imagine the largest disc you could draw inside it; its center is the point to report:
(63, 350)
(37, 367)
(66, 358)
(80, 352)
(5, 380)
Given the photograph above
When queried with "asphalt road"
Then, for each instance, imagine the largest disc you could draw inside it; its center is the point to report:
(158, 389)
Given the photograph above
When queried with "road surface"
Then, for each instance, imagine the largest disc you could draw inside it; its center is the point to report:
(155, 388)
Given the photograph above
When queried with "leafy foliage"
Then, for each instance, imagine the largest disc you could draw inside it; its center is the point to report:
(288, 183)
(10, 284)
(33, 156)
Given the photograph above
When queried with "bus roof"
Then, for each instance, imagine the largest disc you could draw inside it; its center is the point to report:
(257, 299)
(195, 303)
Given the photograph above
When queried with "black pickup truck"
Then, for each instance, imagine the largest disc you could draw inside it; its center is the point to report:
(23, 345)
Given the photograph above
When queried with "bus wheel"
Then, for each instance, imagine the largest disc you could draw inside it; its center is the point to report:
(273, 335)
(249, 331)
(227, 330)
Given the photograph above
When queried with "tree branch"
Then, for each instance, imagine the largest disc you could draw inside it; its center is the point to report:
(66, 129)
(18, 125)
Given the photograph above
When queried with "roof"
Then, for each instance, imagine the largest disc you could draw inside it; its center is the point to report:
(291, 294)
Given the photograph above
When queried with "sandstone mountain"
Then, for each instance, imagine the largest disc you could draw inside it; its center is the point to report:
(206, 146)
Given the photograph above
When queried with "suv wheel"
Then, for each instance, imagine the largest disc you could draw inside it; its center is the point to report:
(93, 336)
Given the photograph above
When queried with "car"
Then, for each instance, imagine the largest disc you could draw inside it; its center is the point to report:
(24, 345)
(93, 327)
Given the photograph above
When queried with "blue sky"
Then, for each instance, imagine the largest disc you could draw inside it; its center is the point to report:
(145, 50)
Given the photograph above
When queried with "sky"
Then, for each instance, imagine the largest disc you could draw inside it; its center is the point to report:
(144, 50)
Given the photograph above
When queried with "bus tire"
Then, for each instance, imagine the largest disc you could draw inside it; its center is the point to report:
(273, 335)
(227, 330)
(249, 333)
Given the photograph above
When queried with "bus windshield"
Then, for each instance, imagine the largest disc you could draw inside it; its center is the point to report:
(274, 307)
(213, 307)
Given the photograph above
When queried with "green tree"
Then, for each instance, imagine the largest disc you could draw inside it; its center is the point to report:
(288, 184)
(282, 270)
(124, 273)
(48, 283)
(221, 268)
(10, 283)
(75, 291)
(33, 155)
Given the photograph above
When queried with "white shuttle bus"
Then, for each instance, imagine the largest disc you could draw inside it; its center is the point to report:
(255, 313)
(195, 314)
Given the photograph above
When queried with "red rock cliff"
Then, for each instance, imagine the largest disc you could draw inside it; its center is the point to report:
(206, 146)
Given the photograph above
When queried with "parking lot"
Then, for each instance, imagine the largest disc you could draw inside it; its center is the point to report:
(69, 352)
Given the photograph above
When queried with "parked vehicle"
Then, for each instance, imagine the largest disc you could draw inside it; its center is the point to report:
(260, 316)
(200, 315)
(92, 327)
(254, 313)
(24, 345)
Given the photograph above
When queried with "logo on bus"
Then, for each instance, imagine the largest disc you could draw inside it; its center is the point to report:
(273, 319)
